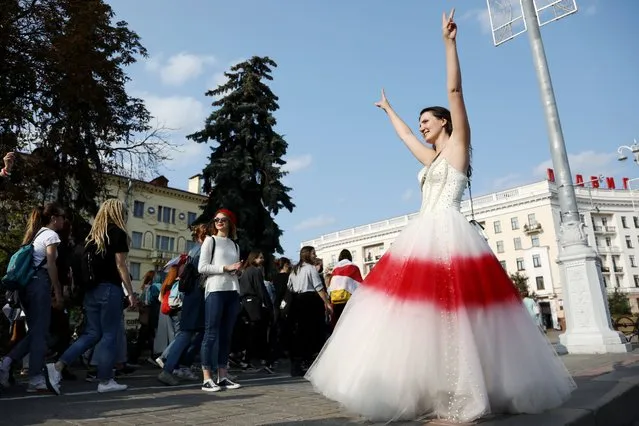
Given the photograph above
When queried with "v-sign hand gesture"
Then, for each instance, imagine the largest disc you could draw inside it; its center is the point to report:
(449, 27)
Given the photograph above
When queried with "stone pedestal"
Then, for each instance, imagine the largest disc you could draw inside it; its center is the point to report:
(588, 325)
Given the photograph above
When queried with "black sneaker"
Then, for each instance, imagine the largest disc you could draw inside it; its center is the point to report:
(226, 383)
(210, 386)
(92, 376)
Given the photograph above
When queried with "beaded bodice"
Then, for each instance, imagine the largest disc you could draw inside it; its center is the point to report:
(442, 186)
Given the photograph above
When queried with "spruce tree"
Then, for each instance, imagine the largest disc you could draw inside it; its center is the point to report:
(245, 169)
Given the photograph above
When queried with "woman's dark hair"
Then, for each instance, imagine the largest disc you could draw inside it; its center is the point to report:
(444, 114)
(40, 216)
(345, 254)
(282, 262)
(250, 260)
(305, 257)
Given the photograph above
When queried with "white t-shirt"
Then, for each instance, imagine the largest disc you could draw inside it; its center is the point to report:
(46, 238)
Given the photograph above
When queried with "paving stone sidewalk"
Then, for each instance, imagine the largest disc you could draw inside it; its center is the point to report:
(607, 395)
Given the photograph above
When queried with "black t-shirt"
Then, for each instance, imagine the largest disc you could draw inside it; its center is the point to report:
(105, 268)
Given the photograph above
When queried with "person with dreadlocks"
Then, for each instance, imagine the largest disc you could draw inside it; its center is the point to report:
(103, 302)
(437, 329)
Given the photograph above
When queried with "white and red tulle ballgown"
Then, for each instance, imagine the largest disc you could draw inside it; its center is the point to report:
(437, 328)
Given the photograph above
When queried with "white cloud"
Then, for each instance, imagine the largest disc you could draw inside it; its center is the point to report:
(587, 163)
(508, 181)
(177, 113)
(179, 68)
(407, 195)
(300, 162)
(480, 16)
(315, 222)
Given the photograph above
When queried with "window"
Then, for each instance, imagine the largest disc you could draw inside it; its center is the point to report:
(520, 264)
(503, 264)
(540, 283)
(136, 240)
(138, 209)
(532, 221)
(635, 219)
(534, 240)
(624, 223)
(514, 223)
(191, 218)
(536, 261)
(517, 243)
(164, 243)
(636, 279)
(134, 270)
(604, 221)
(166, 214)
(190, 245)
(608, 241)
(628, 241)
(582, 218)
(500, 246)
(633, 261)
(497, 227)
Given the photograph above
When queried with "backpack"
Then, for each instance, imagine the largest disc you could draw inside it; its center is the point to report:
(189, 277)
(88, 267)
(20, 270)
(175, 297)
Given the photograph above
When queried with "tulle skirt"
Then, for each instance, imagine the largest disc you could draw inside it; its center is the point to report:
(438, 329)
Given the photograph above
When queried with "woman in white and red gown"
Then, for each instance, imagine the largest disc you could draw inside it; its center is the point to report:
(437, 328)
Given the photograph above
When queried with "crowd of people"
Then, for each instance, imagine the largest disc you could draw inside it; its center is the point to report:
(206, 311)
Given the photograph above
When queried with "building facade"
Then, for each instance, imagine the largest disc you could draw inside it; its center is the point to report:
(158, 220)
(521, 226)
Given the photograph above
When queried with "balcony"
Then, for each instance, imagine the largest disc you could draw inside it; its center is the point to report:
(532, 228)
(605, 229)
(618, 270)
(608, 249)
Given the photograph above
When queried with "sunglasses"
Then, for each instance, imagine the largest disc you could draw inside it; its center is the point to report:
(220, 220)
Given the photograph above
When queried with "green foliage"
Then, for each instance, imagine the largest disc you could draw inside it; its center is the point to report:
(520, 281)
(245, 169)
(618, 303)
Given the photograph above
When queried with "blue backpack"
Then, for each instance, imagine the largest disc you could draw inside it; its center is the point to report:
(21, 270)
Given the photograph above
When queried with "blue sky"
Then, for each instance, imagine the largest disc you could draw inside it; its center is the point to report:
(347, 166)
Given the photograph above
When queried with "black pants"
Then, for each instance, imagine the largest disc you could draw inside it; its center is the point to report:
(60, 332)
(307, 326)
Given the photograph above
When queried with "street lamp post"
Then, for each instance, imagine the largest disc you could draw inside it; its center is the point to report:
(588, 325)
(634, 150)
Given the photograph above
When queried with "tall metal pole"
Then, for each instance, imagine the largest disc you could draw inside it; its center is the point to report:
(559, 156)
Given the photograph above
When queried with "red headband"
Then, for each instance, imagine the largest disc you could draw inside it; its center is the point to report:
(228, 214)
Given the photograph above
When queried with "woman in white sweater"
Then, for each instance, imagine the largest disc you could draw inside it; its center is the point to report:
(218, 264)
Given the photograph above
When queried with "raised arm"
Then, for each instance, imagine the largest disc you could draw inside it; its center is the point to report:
(423, 154)
(461, 127)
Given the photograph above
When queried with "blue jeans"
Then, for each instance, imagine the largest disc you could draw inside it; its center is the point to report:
(183, 350)
(175, 319)
(35, 298)
(103, 310)
(122, 349)
(220, 312)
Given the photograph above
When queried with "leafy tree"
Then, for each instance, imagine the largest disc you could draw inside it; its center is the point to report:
(521, 282)
(245, 169)
(63, 100)
(618, 303)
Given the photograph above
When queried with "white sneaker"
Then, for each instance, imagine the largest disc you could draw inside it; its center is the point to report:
(53, 378)
(185, 373)
(111, 386)
(210, 386)
(159, 361)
